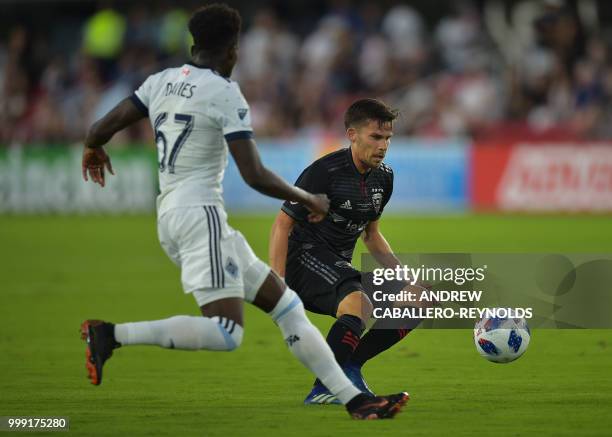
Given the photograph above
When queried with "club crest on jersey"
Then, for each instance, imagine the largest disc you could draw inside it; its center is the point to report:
(242, 112)
(231, 268)
(377, 201)
(186, 71)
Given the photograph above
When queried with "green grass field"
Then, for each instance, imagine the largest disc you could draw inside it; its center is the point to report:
(57, 271)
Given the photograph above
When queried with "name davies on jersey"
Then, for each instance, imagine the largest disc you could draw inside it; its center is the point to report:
(181, 89)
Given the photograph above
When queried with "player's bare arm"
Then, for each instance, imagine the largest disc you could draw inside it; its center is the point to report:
(378, 246)
(380, 249)
(258, 177)
(279, 238)
(95, 159)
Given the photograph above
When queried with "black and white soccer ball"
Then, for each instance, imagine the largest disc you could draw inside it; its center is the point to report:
(501, 339)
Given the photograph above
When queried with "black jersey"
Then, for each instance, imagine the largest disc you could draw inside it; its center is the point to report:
(355, 200)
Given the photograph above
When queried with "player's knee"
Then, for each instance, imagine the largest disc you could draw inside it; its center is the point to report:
(289, 304)
(270, 292)
(356, 304)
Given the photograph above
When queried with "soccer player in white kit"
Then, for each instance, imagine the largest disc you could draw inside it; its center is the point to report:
(197, 114)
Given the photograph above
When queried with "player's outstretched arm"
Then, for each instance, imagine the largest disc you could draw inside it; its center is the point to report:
(118, 118)
(378, 246)
(279, 238)
(258, 177)
(95, 160)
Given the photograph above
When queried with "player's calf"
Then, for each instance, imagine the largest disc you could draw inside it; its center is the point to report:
(183, 332)
(307, 344)
(302, 337)
(351, 316)
(343, 338)
(178, 332)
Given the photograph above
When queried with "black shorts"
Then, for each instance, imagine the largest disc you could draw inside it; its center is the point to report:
(321, 278)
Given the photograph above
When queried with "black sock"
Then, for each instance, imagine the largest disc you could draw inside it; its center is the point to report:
(343, 337)
(375, 342)
(357, 401)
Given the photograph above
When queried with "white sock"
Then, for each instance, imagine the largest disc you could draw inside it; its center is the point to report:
(308, 345)
(183, 332)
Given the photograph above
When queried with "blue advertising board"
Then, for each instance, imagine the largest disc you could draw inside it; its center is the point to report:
(286, 160)
(429, 176)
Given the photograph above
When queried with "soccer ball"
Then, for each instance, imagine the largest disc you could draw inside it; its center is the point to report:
(501, 340)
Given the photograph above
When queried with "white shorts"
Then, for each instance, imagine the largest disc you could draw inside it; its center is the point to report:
(216, 261)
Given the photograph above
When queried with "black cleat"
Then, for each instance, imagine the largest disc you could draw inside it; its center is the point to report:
(100, 338)
(364, 407)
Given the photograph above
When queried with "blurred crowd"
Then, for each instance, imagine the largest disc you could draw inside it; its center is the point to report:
(528, 68)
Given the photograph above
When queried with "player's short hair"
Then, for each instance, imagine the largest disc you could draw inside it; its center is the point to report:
(368, 109)
(215, 27)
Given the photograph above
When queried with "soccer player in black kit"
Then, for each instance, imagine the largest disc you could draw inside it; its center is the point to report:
(315, 258)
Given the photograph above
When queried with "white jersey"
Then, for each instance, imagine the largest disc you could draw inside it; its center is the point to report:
(194, 112)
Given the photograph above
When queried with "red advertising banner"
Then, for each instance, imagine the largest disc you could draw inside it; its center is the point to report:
(568, 177)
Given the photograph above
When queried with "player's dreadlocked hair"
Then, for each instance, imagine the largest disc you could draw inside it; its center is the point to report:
(368, 109)
(215, 27)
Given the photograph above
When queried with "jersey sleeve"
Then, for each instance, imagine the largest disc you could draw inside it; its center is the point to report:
(142, 96)
(230, 110)
(314, 180)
